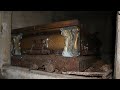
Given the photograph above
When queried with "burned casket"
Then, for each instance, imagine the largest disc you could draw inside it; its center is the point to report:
(56, 47)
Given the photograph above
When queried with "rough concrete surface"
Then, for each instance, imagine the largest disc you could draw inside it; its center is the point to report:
(117, 55)
(5, 37)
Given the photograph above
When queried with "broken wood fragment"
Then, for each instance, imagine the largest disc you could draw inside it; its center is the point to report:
(84, 73)
(107, 74)
(104, 75)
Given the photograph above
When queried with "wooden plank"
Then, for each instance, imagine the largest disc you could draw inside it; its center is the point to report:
(104, 75)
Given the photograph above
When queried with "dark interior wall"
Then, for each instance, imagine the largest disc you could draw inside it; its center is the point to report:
(29, 18)
(95, 21)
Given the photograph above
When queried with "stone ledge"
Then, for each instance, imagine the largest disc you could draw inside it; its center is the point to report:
(12, 72)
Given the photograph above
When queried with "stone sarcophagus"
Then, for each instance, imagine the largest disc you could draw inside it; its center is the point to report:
(55, 47)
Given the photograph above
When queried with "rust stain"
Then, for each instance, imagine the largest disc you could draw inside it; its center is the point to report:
(59, 62)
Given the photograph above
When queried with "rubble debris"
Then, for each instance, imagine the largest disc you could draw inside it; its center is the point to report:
(99, 66)
(49, 68)
(106, 67)
(108, 74)
(33, 67)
